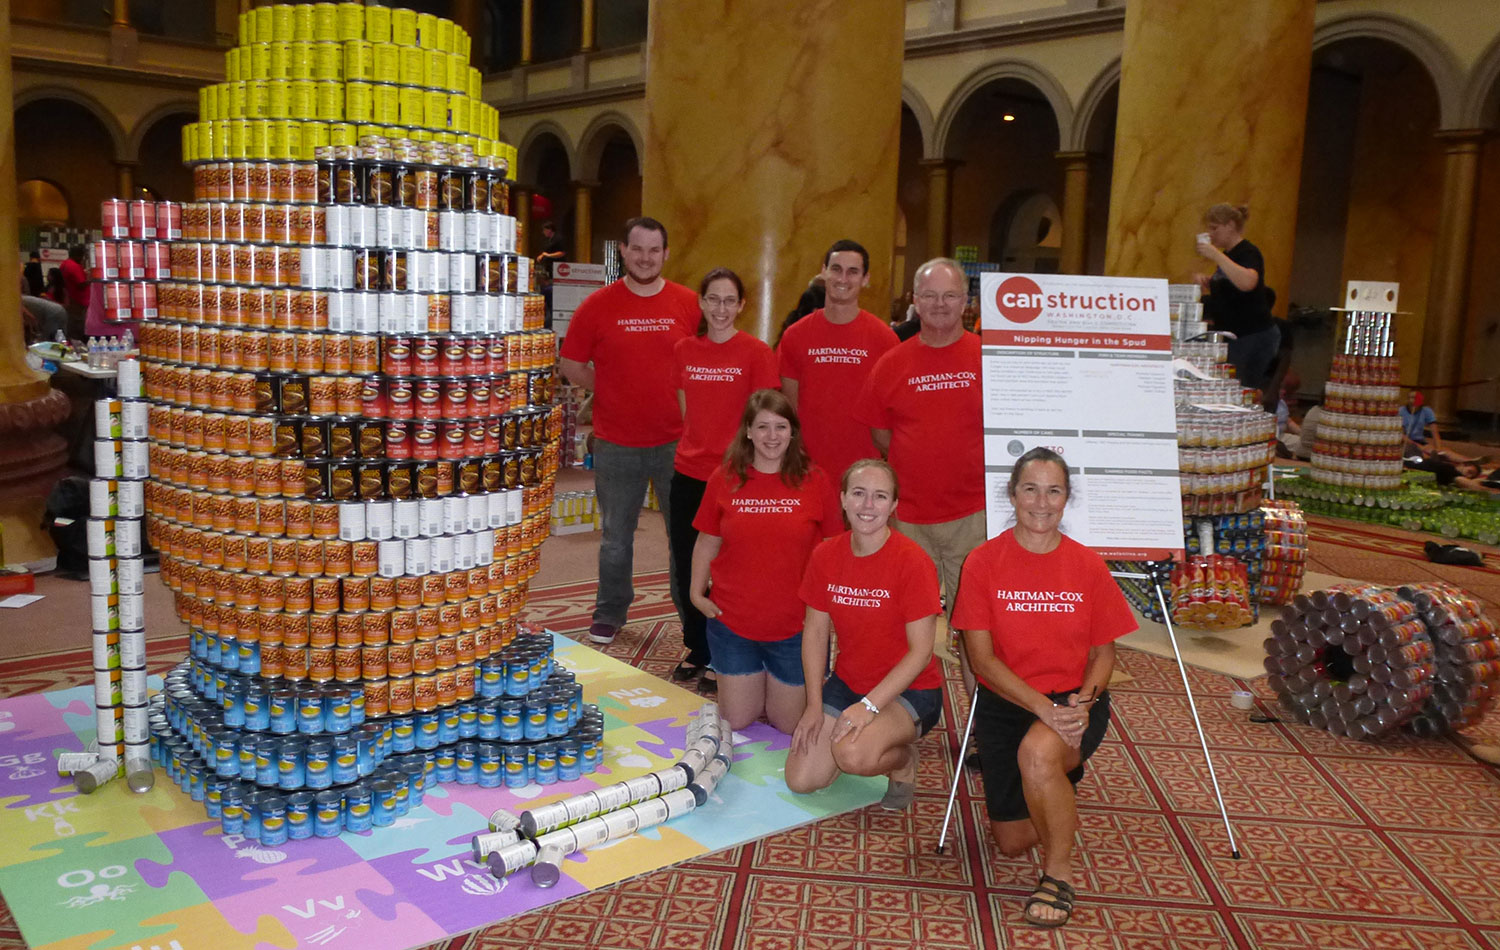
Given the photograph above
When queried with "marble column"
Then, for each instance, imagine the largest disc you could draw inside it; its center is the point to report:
(526, 22)
(939, 174)
(583, 221)
(121, 13)
(1213, 102)
(589, 16)
(125, 180)
(769, 137)
(466, 14)
(1075, 230)
(1448, 286)
(31, 454)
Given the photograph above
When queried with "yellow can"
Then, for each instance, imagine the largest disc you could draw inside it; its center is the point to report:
(413, 106)
(387, 62)
(362, 131)
(232, 65)
(404, 27)
(328, 61)
(359, 61)
(276, 140)
(246, 28)
(476, 83)
(294, 140)
(255, 99)
(278, 58)
(435, 109)
(413, 63)
(238, 134)
(221, 138)
(329, 96)
(351, 21)
(190, 142)
(302, 23)
(325, 22)
(204, 146)
(314, 137)
(427, 31)
(434, 68)
(457, 79)
(260, 58)
(257, 133)
(358, 101)
(342, 133)
(445, 30)
(420, 135)
(281, 23)
(458, 112)
(463, 43)
(299, 58)
(378, 24)
(232, 100)
(208, 102)
(278, 104)
(302, 102)
(263, 31)
(387, 104)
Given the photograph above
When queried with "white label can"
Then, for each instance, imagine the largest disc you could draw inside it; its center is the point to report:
(352, 517)
(392, 558)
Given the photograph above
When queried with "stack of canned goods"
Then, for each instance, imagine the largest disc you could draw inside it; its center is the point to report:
(1360, 435)
(315, 74)
(117, 585)
(134, 255)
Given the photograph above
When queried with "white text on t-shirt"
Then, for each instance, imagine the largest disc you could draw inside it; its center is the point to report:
(714, 374)
(647, 324)
(858, 596)
(838, 354)
(767, 506)
(933, 381)
(1040, 601)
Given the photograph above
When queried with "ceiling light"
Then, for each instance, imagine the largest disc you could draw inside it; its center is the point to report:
(1007, 118)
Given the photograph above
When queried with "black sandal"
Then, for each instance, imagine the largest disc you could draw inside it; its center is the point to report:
(687, 671)
(1050, 892)
(708, 684)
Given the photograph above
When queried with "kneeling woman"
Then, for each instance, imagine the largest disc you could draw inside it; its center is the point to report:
(880, 590)
(763, 512)
(1040, 615)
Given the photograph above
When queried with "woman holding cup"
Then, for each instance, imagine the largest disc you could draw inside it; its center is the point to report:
(1235, 297)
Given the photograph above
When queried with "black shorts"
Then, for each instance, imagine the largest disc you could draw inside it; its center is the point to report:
(923, 705)
(999, 727)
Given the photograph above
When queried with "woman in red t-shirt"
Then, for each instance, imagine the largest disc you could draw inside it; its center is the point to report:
(716, 371)
(1040, 615)
(880, 589)
(763, 512)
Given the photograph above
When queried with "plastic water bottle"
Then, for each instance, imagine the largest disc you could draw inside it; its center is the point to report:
(93, 352)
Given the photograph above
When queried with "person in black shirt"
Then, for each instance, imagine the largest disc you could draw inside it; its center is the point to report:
(1235, 294)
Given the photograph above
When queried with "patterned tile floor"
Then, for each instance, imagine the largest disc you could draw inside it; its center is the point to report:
(1345, 845)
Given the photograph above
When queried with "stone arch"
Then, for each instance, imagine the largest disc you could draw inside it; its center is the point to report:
(1434, 55)
(1034, 76)
(1481, 102)
(1088, 107)
(923, 114)
(97, 109)
(187, 107)
(526, 152)
(594, 138)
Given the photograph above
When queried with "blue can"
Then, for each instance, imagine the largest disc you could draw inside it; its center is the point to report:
(226, 743)
(546, 763)
(233, 705)
(337, 716)
(229, 654)
(517, 677)
(491, 680)
(250, 810)
(345, 759)
(512, 720)
(368, 738)
(319, 765)
(467, 761)
(247, 755)
(403, 792)
(232, 810)
(198, 643)
(448, 726)
(569, 760)
(356, 703)
(575, 705)
(415, 771)
(491, 765)
(195, 775)
(487, 720)
(213, 796)
(283, 712)
(428, 726)
(268, 763)
(516, 770)
(536, 718)
(359, 803)
(403, 734)
(291, 764)
(383, 813)
(444, 766)
(257, 713)
(592, 752)
(272, 811)
(310, 712)
(557, 712)
(328, 814)
(249, 656)
(299, 815)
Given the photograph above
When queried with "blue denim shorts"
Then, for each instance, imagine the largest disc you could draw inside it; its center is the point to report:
(923, 705)
(734, 655)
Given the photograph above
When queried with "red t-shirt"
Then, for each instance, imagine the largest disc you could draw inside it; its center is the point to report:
(830, 362)
(716, 379)
(75, 283)
(1043, 611)
(871, 600)
(768, 530)
(931, 401)
(630, 340)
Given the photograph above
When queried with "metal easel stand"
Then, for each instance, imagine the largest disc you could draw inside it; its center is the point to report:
(1155, 581)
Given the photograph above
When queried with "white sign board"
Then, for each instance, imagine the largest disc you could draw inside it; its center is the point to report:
(1083, 365)
(571, 283)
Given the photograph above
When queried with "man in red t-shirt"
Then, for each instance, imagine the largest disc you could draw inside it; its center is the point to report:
(75, 289)
(825, 358)
(619, 345)
(924, 405)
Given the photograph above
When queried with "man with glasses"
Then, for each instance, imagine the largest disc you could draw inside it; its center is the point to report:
(619, 345)
(924, 405)
(825, 358)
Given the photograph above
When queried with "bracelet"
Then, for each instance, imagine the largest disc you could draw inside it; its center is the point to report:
(869, 705)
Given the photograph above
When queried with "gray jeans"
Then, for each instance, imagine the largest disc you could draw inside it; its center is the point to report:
(620, 476)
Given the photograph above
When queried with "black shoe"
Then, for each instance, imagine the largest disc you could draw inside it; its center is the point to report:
(971, 762)
(687, 671)
(1452, 554)
(708, 684)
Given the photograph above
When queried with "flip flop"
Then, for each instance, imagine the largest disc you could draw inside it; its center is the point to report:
(1050, 892)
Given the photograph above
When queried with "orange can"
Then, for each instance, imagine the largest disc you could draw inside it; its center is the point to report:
(399, 658)
(355, 593)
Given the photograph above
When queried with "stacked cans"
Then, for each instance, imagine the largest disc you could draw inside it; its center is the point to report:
(1360, 434)
(117, 577)
(133, 255)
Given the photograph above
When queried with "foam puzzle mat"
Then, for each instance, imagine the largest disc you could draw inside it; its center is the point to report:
(119, 871)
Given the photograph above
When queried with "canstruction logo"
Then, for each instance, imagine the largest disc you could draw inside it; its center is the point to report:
(1020, 300)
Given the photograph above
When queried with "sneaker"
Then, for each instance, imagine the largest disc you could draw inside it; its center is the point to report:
(601, 632)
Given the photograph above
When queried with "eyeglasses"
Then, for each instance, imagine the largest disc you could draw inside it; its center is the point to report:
(721, 303)
(950, 298)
